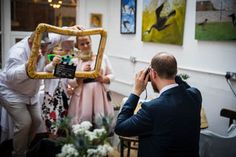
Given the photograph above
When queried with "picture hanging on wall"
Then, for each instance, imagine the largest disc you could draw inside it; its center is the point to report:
(95, 20)
(215, 20)
(128, 17)
(163, 21)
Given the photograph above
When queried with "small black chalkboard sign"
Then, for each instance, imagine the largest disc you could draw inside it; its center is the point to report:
(65, 70)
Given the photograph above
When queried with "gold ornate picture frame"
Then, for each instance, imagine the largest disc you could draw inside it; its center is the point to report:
(31, 66)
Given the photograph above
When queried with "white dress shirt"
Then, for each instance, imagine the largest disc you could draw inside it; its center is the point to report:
(15, 85)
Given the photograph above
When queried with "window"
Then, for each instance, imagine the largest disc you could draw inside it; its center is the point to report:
(27, 14)
(0, 34)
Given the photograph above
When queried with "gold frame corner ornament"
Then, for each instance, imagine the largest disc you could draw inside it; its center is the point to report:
(42, 27)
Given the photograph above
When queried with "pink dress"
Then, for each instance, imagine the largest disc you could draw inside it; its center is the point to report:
(90, 100)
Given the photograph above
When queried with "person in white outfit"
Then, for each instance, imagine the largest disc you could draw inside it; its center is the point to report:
(19, 93)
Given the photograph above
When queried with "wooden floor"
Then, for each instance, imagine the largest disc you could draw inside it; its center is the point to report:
(116, 153)
(116, 148)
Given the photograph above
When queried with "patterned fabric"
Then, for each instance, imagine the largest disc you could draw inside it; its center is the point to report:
(54, 107)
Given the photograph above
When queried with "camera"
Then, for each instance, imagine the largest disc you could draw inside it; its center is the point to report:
(146, 73)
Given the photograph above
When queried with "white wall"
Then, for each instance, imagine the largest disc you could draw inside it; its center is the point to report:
(205, 61)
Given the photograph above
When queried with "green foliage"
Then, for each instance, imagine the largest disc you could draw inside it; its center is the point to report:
(84, 140)
(184, 76)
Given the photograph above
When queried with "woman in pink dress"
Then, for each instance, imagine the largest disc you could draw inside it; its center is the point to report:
(90, 100)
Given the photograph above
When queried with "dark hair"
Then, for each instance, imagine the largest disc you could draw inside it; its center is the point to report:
(165, 65)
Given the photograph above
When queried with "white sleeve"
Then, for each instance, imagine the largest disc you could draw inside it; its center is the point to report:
(49, 67)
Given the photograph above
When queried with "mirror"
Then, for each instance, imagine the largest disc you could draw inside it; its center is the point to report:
(98, 40)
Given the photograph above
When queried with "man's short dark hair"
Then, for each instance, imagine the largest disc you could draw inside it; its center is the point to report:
(165, 65)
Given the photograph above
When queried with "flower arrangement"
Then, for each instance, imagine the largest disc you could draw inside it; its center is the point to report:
(81, 140)
(184, 76)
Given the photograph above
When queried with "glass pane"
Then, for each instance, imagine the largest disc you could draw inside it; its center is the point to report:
(0, 34)
(27, 14)
(0, 51)
(0, 16)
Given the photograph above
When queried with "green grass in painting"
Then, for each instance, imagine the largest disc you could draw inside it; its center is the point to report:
(216, 31)
(172, 34)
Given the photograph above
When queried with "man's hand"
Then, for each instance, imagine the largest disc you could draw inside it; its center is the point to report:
(77, 27)
(141, 81)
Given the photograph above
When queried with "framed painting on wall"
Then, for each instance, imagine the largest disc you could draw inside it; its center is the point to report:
(95, 20)
(215, 20)
(163, 21)
(128, 16)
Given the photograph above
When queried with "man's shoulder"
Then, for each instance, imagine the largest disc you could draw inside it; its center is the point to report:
(18, 49)
(195, 93)
(19, 45)
(193, 89)
(152, 103)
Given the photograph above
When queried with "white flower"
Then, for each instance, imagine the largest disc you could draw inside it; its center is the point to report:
(81, 128)
(99, 132)
(103, 150)
(89, 143)
(68, 150)
(91, 135)
(86, 125)
(92, 152)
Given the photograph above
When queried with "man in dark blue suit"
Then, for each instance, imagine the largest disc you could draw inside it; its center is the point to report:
(169, 125)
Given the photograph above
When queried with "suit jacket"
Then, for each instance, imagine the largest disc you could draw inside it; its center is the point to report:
(168, 126)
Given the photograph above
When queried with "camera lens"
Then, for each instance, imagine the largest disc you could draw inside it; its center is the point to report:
(146, 73)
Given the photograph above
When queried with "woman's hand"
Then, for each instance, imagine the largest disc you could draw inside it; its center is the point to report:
(70, 90)
(103, 79)
(79, 81)
(100, 78)
(87, 67)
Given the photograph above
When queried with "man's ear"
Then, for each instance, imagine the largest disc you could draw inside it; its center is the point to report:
(154, 74)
